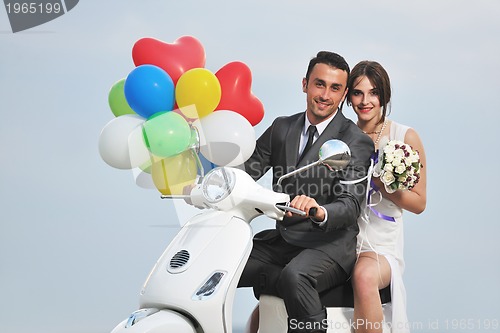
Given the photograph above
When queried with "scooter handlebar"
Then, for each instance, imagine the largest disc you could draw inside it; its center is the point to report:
(291, 209)
(312, 211)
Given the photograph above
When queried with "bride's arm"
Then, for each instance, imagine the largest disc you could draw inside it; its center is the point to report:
(413, 200)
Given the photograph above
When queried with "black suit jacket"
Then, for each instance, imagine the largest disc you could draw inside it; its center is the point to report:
(278, 147)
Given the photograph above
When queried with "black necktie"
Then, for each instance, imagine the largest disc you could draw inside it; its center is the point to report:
(310, 131)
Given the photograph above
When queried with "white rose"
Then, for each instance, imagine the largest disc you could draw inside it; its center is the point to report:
(400, 168)
(397, 161)
(388, 178)
(414, 157)
(388, 167)
(389, 149)
(399, 153)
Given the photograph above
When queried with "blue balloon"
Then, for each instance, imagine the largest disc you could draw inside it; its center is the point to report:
(148, 90)
(206, 164)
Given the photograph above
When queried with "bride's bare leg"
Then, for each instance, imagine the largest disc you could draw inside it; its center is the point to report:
(371, 273)
(253, 321)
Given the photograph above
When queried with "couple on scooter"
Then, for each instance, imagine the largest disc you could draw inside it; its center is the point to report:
(304, 256)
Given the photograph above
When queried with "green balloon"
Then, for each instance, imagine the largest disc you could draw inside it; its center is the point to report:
(166, 134)
(117, 101)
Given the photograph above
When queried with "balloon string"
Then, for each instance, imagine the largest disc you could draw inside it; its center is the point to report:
(370, 205)
(372, 189)
(198, 162)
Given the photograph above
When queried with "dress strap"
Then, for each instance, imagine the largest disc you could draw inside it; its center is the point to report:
(398, 131)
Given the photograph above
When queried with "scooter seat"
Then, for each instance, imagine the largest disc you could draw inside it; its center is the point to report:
(342, 296)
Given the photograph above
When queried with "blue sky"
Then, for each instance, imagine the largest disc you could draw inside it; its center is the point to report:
(79, 237)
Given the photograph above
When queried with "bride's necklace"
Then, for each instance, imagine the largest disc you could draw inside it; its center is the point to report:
(378, 132)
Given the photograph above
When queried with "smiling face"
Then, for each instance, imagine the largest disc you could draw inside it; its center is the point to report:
(366, 101)
(325, 90)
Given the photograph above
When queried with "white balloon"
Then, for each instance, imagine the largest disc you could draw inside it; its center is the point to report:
(143, 179)
(121, 144)
(226, 137)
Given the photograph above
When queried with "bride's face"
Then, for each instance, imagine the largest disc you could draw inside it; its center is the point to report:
(365, 101)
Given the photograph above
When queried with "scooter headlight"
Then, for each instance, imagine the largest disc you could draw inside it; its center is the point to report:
(218, 184)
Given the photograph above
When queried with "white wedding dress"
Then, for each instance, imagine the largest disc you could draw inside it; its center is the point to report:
(381, 231)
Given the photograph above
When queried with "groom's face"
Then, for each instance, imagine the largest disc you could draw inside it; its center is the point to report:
(326, 89)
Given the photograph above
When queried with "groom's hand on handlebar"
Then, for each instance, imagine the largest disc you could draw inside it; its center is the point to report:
(308, 205)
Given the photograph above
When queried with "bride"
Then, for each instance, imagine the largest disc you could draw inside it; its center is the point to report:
(380, 241)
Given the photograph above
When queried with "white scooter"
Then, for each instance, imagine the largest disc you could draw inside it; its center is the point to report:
(192, 286)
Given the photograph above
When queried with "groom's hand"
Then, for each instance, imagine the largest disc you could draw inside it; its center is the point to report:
(305, 204)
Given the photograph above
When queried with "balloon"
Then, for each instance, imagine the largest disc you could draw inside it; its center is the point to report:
(198, 87)
(171, 175)
(190, 112)
(143, 179)
(175, 59)
(120, 142)
(167, 134)
(236, 79)
(226, 138)
(117, 101)
(149, 90)
(205, 164)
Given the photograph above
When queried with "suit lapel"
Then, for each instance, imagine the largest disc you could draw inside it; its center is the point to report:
(293, 140)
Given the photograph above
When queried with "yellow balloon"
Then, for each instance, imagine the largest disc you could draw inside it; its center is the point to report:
(198, 87)
(172, 174)
(147, 165)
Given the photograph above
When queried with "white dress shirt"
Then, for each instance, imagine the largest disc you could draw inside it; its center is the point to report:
(320, 128)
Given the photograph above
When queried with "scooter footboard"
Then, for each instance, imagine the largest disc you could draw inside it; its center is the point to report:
(273, 317)
(163, 321)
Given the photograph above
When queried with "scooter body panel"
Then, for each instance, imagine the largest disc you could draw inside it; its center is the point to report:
(164, 321)
(273, 317)
(198, 272)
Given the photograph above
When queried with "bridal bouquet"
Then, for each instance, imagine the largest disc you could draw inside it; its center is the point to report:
(398, 166)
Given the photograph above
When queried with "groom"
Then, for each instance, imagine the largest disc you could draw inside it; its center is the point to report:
(287, 261)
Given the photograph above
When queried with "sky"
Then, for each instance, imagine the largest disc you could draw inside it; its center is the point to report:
(78, 237)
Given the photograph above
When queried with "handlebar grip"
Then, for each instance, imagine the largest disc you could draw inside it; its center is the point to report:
(287, 208)
(313, 211)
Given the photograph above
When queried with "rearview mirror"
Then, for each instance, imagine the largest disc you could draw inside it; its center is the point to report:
(335, 154)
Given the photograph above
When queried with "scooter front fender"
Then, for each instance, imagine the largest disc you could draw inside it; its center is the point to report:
(163, 321)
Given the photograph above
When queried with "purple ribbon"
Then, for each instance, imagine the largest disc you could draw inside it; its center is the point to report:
(375, 157)
(374, 188)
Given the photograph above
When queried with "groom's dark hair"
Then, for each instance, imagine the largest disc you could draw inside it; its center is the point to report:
(330, 59)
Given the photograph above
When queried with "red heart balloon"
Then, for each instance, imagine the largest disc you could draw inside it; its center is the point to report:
(175, 59)
(236, 80)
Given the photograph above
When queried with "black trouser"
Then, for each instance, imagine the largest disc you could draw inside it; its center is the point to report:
(290, 272)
